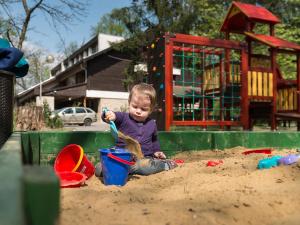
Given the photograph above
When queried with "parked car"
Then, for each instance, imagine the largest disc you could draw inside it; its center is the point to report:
(76, 115)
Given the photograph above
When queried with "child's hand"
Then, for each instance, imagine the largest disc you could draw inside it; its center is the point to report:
(160, 155)
(110, 116)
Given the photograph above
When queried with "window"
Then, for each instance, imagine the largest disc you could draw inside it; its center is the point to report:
(80, 78)
(94, 48)
(68, 111)
(80, 110)
(66, 64)
(89, 111)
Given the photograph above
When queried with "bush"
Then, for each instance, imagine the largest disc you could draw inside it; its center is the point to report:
(52, 122)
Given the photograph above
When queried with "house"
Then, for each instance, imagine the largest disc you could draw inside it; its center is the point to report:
(92, 77)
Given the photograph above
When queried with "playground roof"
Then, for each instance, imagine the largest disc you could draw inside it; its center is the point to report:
(239, 13)
(274, 42)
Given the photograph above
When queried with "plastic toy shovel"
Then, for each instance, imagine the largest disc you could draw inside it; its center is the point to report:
(264, 151)
(113, 128)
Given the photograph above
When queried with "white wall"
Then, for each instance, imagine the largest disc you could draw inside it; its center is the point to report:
(48, 99)
(105, 39)
(107, 94)
(112, 104)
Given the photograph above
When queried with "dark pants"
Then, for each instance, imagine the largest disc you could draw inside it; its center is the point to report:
(149, 165)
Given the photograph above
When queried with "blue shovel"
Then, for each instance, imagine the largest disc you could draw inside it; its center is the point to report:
(113, 128)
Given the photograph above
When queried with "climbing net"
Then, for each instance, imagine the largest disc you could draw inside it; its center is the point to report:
(206, 83)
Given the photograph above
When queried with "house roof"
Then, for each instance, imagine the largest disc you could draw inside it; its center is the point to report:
(239, 13)
(34, 86)
(274, 42)
(103, 42)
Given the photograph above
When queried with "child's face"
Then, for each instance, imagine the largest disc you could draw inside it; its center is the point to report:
(140, 107)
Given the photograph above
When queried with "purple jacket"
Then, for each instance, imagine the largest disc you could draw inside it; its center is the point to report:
(144, 132)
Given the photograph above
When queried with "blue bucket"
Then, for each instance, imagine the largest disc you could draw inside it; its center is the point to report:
(115, 165)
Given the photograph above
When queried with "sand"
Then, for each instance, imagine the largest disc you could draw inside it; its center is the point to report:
(235, 192)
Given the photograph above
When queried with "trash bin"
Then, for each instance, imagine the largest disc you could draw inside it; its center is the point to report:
(7, 81)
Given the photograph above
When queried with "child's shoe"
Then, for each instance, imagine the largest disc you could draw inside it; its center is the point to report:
(171, 164)
(98, 169)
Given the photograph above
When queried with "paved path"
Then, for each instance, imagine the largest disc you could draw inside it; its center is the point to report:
(97, 126)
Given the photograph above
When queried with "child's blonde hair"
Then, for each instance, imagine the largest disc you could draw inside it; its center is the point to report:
(145, 89)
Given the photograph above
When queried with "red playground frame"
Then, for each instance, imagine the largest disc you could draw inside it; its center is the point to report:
(223, 83)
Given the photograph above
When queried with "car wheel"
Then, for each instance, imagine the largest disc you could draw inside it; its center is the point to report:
(87, 122)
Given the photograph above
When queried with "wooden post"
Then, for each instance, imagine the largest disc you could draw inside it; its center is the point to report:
(244, 91)
(168, 84)
(227, 58)
(222, 88)
(274, 103)
(273, 63)
(298, 88)
(227, 74)
(249, 52)
(272, 30)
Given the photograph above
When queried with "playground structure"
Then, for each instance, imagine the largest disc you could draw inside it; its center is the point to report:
(211, 82)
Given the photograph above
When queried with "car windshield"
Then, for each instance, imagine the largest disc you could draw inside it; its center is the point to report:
(58, 110)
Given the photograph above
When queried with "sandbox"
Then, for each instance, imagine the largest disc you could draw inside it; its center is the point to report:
(234, 192)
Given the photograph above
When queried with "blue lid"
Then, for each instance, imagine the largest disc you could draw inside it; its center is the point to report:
(114, 149)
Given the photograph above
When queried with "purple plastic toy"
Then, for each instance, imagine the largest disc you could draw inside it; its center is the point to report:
(289, 159)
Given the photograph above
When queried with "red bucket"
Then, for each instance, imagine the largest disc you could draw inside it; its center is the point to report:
(71, 179)
(72, 159)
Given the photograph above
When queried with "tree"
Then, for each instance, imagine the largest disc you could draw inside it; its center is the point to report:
(71, 48)
(60, 12)
(110, 25)
(57, 13)
(156, 17)
(197, 17)
(4, 27)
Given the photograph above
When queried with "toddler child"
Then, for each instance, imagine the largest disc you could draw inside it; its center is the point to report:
(137, 124)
